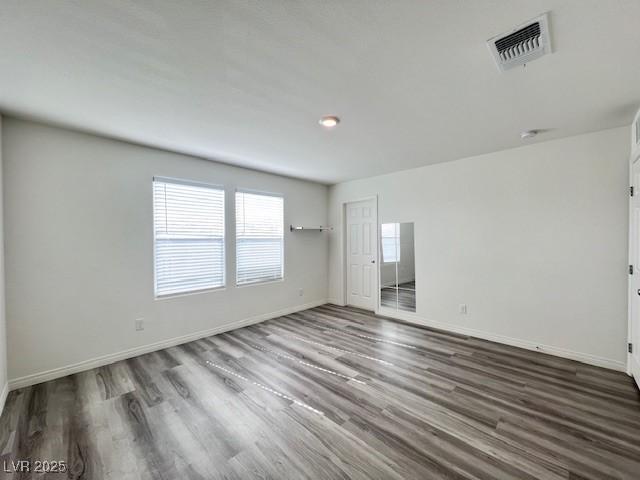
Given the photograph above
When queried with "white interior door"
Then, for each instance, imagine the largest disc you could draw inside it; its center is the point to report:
(361, 228)
(634, 238)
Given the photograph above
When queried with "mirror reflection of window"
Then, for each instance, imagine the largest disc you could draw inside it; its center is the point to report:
(397, 269)
(390, 242)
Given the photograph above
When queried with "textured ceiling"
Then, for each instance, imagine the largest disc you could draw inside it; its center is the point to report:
(245, 82)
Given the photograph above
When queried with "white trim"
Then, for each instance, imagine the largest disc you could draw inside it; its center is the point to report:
(635, 142)
(514, 342)
(189, 183)
(631, 240)
(3, 396)
(260, 192)
(152, 347)
(169, 296)
(634, 369)
(260, 282)
(631, 364)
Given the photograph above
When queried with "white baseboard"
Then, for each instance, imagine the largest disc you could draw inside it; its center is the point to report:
(337, 302)
(52, 374)
(514, 342)
(633, 369)
(3, 396)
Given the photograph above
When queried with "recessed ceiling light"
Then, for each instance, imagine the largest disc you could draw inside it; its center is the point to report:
(528, 134)
(329, 121)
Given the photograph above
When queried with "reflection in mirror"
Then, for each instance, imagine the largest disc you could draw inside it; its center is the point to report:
(397, 268)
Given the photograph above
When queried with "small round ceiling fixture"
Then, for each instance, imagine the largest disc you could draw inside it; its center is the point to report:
(528, 134)
(329, 121)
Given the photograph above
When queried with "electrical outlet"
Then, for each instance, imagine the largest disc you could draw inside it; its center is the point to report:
(139, 323)
(301, 292)
(463, 309)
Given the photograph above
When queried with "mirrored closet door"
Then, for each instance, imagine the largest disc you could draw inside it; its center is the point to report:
(397, 267)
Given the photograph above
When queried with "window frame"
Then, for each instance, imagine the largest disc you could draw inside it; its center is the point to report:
(190, 183)
(266, 194)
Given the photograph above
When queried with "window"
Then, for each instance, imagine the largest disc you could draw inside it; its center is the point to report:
(259, 237)
(390, 233)
(188, 236)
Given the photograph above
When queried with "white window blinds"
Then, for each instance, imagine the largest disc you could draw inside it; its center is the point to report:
(390, 233)
(189, 236)
(259, 237)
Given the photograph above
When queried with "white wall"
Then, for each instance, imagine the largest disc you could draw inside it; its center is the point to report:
(3, 329)
(79, 245)
(533, 240)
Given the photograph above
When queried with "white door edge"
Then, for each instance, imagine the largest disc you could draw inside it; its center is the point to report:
(633, 365)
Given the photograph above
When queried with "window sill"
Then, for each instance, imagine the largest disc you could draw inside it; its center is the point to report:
(169, 296)
(259, 282)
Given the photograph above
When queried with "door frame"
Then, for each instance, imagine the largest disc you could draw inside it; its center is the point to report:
(633, 260)
(343, 247)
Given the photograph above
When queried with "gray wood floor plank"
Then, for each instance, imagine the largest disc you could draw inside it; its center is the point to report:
(331, 393)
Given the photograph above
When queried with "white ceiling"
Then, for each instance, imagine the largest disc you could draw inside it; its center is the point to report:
(245, 81)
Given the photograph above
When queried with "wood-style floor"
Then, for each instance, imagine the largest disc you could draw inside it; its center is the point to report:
(331, 393)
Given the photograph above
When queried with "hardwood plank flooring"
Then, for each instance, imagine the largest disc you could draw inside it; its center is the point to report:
(330, 393)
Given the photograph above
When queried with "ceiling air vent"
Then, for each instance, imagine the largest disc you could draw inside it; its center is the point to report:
(521, 45)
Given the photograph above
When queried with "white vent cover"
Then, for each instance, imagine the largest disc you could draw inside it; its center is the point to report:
(521, 45)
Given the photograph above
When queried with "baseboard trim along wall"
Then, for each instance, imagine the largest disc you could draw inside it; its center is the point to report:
(514, 342)
(52, 374)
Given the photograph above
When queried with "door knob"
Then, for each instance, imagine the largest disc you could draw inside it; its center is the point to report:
(373, 261)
